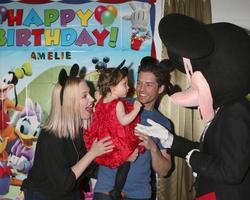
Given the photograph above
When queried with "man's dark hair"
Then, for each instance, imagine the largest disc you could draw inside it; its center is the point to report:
(161, 70)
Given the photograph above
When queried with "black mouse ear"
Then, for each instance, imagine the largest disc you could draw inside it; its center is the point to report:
(167, 64)
(125, 70)
(106, 59)
(83, 72)
(62, 77)
(148, 60)
(121, 64)
(95, 60)
(74, 70)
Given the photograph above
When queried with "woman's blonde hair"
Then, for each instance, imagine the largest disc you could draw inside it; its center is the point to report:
(64, 120)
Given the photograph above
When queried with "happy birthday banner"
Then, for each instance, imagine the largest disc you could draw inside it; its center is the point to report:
(58, 36)
(37, 39)
(89, 25)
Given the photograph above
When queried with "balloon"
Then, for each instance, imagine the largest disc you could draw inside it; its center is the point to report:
(107, 18)
(98, 12)
(3, 14)
(112, 9)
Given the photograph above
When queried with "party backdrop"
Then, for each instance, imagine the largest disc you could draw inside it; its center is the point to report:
(37, 39)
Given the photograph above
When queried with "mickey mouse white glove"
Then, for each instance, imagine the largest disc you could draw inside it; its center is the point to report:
(139, 17)
(158, 131)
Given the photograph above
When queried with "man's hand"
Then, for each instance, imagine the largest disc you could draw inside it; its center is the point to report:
(146, 141)
(158, 131)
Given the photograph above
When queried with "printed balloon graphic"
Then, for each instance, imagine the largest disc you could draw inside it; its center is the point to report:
(105, 15)
(112, 9)
(98, 12)
(3, 14)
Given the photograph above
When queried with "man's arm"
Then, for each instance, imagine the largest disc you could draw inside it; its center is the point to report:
(161, 160)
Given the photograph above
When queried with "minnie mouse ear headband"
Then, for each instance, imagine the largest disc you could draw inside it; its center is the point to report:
(63, 77)
(124, 69)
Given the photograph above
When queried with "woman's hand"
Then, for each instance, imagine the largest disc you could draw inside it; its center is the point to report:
(102, 146)
(133, 156)
(98, 148)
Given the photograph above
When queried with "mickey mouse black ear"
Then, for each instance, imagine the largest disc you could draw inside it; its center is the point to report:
(62, 77)
(74, 70)
(167, 64)
(95, 60)
(185, 36)
(148, 60)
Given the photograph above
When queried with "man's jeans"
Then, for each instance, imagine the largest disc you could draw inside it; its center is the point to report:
(102, 196)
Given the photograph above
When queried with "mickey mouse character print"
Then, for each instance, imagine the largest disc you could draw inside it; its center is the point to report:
(215, 58)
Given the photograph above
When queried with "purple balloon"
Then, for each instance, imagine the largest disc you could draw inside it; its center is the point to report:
(3, 14)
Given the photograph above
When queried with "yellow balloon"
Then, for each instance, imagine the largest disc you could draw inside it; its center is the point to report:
(112, 9)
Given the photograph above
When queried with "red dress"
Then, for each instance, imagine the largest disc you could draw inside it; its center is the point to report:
(105, 123)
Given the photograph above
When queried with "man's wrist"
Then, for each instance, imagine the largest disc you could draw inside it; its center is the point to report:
(154, 148)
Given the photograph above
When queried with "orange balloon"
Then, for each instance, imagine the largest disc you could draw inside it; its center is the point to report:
(112, 9)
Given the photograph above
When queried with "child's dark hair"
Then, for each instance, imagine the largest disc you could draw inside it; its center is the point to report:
(110, 77)
(161, 70)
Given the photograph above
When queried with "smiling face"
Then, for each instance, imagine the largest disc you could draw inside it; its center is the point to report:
(147, 89)
(86, 101)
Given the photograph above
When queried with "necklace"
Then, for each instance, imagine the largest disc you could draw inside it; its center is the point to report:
(76, 151)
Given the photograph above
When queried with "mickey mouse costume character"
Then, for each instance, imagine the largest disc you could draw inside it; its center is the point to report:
(216, 60)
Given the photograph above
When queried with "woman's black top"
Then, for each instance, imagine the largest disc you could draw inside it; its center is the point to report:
(51, 173)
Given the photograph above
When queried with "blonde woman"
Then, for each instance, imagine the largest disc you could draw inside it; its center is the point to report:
(61, 161)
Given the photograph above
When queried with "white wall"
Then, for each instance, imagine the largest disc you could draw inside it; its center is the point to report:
(234, 11)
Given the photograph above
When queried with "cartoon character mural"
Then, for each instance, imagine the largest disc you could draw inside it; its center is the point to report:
(27, 128)
(105, 15)
(139, 24)
(7, 130)
(4, 168)
(99, 65)
(83, 30)
(7, 83)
